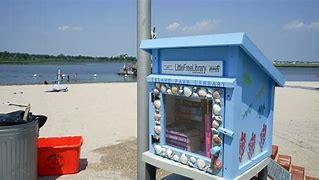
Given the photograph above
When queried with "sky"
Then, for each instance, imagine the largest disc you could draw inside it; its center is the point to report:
(282, 29)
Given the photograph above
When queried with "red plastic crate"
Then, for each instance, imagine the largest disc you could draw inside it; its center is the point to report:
(59, 155)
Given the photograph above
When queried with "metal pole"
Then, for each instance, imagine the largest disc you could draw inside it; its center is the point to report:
(59, 76)
(144, 171)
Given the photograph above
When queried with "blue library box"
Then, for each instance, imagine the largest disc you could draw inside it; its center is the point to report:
(211, 104)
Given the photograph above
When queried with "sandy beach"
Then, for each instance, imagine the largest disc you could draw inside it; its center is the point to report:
(296, 124)
(105, 115)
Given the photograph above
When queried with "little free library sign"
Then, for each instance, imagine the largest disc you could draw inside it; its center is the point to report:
(199, 68)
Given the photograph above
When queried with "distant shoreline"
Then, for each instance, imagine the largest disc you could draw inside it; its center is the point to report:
(63, 63)
(25, 58)
(40, 84)
(298, 65)
(120, 61)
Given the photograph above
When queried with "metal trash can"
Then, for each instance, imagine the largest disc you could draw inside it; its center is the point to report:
(18, 151)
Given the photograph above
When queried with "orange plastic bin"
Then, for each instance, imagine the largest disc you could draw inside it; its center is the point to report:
(59, 155)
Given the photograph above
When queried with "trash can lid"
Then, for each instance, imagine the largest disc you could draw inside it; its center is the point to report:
(16, 117)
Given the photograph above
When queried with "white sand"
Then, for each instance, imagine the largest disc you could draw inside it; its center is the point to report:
(106, 113)
(296, 126)
(101, 113)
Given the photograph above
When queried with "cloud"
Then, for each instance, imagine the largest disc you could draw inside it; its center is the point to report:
(173, 26)
(301, 25)
(200, 27)
(63, 28)
(77, 28)
(69, 28)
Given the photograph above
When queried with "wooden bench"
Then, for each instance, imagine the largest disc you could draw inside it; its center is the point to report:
(297, 172)
(274, 152)
(311, 178)
(284, 161)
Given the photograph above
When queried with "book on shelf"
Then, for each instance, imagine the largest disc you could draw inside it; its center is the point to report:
(176, 138)
(178, 143)
(208, 133)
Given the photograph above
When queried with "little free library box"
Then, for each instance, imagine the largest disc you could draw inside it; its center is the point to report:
(211, 104)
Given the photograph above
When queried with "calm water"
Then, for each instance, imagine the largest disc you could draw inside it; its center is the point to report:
(106, 72)
(78, 73)
(300, 74)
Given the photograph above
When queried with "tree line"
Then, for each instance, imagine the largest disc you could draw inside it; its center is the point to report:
(26, 58)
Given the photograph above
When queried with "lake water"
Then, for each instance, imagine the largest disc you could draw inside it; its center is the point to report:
(106, 72)
(300, 74)
(78, 73)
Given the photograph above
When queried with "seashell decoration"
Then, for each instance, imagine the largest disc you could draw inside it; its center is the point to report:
(157, 116)
(157, 104)
(209, 96)
(200, 164)
(216, 139)
(157, 122)
(163, 153)
(157, 130)
(156, 137)
(217, 101)
(175, 90)
(216, 94)
(210, 90)
(216, 109)
(192, 160)
(158, 149)
(163, 88)
(195, 95)
(187, 91)
(215, 124)
(218, 118)
(156, 92)
(202, 92)
(176, 157)
(217, 164)
(190, 91)
(214, 131)
(169, 153)
(183, 159)
(158, 85)
(191, 164)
